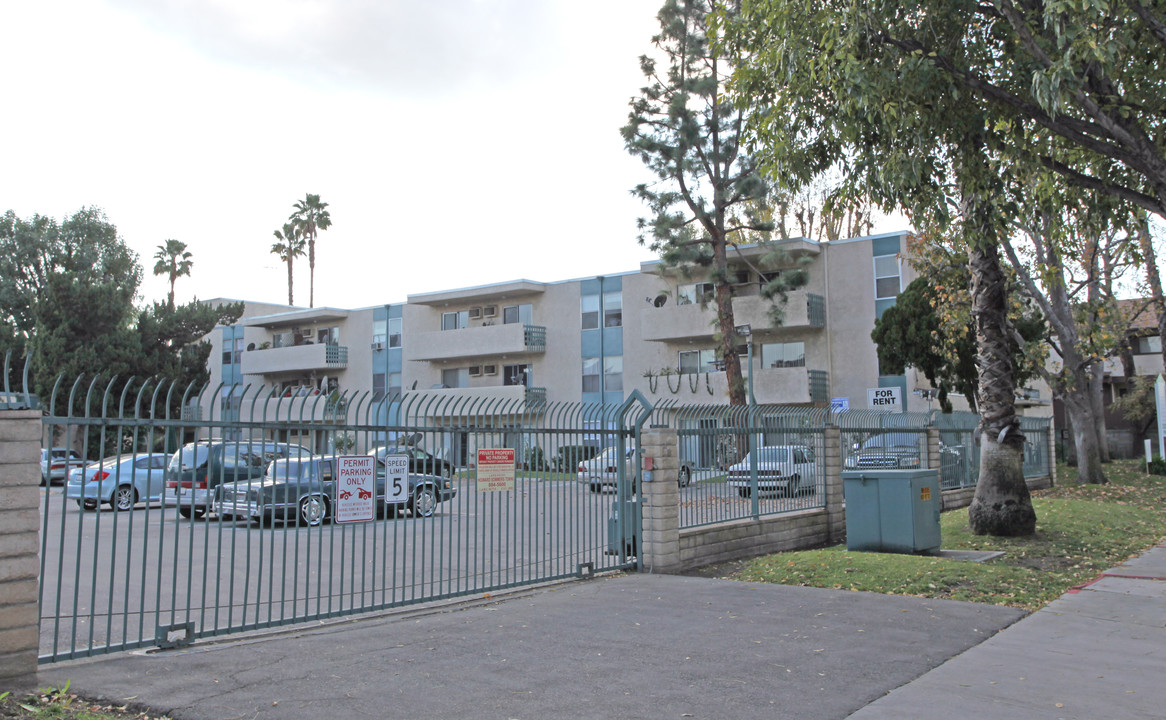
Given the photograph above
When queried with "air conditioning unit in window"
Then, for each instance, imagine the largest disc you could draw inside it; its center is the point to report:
(489, 311)
(475, 370)
(490, 369)
(378, 346)
(475, 313)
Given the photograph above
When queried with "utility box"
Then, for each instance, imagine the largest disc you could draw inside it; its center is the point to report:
(892, 510)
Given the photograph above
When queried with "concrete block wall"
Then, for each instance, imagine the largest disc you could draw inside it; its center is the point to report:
(20, 442)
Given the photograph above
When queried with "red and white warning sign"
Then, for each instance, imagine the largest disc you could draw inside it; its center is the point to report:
(356, 487)
(495, 469)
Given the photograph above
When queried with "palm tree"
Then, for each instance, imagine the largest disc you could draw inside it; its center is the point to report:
(311, 215)
(173, 260)
(290, 246)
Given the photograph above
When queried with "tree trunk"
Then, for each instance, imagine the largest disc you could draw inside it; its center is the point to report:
(1096, 387)
(1002, 505)
(727, 330)
(312, 270)
(1079, 408)
(1155, 281)
(289, 279)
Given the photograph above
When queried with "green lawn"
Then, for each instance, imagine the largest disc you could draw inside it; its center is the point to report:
(1082, 531)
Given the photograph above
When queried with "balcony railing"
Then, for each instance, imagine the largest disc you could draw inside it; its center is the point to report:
(692, 322)
(295, 358)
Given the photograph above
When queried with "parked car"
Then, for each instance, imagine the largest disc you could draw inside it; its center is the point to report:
(197, 468)
(894, 450)
(303, 488)
(420, 461)
(55, 464)
(122, 481)
(781, 469)
(601, 471)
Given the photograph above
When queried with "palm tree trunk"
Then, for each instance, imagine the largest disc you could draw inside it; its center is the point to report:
(312, 270)
(1002, 505)
(290, 301)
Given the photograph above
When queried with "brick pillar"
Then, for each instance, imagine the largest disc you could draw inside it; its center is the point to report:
(20, 436)
(661, 502)
(832, 467)
(934, 460)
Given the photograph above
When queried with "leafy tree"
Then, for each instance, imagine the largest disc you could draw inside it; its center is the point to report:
(288, 246)
(929, 328)
(911, 136)
(708, 193)
(173, 260)
(310, 216)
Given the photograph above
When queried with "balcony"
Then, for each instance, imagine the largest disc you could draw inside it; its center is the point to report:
(440, 402)
(673, 323)
(478, 342)
(771, 386)
(298, 358)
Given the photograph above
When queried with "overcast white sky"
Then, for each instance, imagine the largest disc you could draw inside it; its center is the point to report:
(457, 142)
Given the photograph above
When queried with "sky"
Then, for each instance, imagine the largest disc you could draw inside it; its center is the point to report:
(457, 143)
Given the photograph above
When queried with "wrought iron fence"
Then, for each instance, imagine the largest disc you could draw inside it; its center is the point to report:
(179, 528)
(746, 461)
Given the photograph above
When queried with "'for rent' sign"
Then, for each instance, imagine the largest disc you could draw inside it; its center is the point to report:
(885, 398)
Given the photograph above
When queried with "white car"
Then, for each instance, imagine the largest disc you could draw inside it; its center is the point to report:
(56, 463)
(602, 471)
(785, 469)
(122, 481)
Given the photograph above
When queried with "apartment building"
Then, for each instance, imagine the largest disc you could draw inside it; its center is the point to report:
(586, 340)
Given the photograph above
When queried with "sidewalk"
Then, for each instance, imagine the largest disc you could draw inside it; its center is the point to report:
(660, 646)
(1097, 652)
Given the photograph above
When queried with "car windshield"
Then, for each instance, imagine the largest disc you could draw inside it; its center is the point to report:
(190, 456)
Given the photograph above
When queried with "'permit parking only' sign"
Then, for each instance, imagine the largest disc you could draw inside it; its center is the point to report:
(356, 485)
(885, 398)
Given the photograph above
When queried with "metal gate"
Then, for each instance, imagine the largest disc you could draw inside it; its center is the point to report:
(146, 574)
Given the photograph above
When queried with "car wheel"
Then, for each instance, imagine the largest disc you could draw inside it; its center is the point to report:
(596, 488)
(87, 504)
(744, 492)
(191, 512)
(313, 510)
(124, 498)
(684, 477)
(424, 501)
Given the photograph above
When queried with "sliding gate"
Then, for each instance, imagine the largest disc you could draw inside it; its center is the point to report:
(118, 579)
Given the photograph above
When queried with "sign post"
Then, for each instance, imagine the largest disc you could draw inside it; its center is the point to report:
(495, 469)
(356, 483)
(1160, 406)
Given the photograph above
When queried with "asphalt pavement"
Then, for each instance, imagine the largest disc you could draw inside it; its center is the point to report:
(662, 646)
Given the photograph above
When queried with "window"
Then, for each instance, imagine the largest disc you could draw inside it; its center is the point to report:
(378, 387)
(695, 294)
(612, 374)
(455, 320)
(590, 305)
(696, 361)
(1151, 345)
(378, 331)
(394, 332)
(328, 336)
(779, 355)
(612, 309)
(886, 273)
(515, 374)
(455, 377)
(394, 384)
(517, 314)
(590, 375)
(232, 351)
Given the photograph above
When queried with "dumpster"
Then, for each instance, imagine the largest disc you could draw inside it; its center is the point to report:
(892, 510)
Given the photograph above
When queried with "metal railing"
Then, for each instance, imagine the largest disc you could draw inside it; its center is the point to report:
(164, 570)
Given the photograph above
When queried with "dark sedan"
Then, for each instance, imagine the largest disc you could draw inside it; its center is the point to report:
(303, 488)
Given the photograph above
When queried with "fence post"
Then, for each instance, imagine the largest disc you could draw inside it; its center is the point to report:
(934, 459)
(20, 440)
(661, 508)
(1051, 436)
(832, 466)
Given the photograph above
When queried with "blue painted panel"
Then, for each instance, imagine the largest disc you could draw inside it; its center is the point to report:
(886, 245)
